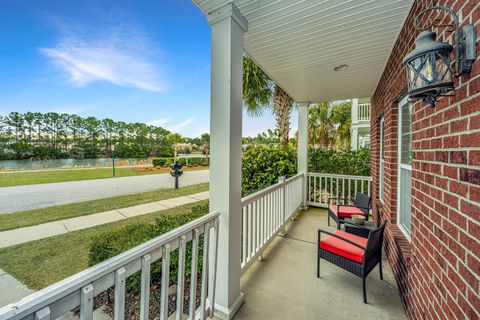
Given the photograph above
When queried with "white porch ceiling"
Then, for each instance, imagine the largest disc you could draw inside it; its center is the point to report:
(299, 42)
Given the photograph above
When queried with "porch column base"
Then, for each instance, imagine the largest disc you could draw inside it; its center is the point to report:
(228, 314)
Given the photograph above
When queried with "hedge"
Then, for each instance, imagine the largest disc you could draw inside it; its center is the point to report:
(167, 161)
(112, 243)
(349, 162)
(262, 165)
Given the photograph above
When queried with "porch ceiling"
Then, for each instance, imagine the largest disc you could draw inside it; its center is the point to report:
(299, 42)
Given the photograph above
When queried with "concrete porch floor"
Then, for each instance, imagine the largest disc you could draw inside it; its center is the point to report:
(284, 285)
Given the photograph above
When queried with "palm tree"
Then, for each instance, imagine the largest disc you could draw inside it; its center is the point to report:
(329, 125)
(258, 92)
(206, 143)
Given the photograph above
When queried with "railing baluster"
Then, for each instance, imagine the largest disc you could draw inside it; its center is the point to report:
(119, 308)
(324, 195)
(43, 314)
(145, 287)
(193, 276)
(181, 276)
(250, 231)
(165, 282)
(86, 303)
(254, 228)
(349, 189)
(205, 266)
(262, 221)
(336, 188)
(310, 189)
(213, 276)
(244, 235)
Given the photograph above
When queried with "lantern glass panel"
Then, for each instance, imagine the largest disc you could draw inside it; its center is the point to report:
(442, 64)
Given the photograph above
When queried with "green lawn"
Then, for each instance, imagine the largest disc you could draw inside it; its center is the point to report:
(37, 216)
(41, 263)
(36, 177)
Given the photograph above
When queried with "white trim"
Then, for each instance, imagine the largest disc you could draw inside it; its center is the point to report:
(400, 166)
(229, 10)
(381, 191)
(227, 314)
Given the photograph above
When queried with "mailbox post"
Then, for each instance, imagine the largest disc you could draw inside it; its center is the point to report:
(176, 171)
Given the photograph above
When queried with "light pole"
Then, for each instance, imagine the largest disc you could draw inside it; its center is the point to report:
(113, 158)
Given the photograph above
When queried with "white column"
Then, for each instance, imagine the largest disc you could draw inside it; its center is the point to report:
(228, 27)
(354, 110)
(354, 138)
(354, 127)
(303, 145)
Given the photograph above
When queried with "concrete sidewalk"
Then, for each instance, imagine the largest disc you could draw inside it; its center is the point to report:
(45, 230)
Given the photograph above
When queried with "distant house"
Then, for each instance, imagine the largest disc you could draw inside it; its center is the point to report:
(360, 128)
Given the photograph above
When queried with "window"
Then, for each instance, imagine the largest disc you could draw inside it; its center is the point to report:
(404, 165)
(382, 159)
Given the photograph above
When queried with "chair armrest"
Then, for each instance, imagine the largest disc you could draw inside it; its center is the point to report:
(344, 199)
(341, 238)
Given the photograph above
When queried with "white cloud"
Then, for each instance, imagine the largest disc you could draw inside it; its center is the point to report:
(177, 128)
(158, 123)
(121, 59)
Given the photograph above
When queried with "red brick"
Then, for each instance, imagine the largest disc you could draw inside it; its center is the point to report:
(474, 122)
(474, 193)
(458, 157)
(451, 172)
(459, 125)
(458, 188)
(470, 140)
(474, 158)
(470, 175)
(470, 106)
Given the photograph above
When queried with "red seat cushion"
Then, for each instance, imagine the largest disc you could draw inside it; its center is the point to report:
(345, 212)
(342, 248)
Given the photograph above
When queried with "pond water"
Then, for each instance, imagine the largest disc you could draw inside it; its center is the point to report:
(71, 163)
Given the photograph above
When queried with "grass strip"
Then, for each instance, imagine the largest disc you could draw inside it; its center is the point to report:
(38, 216)
(37, 177)
(41, 263)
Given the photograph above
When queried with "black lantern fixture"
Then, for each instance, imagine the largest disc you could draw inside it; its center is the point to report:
(429, 70)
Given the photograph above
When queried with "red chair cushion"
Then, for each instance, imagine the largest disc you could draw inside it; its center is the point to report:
(342, 248)
(345, 212)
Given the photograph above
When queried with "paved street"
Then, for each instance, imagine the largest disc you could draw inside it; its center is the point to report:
(20, 198)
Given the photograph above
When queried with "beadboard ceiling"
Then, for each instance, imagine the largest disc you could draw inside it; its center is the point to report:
(299, 42)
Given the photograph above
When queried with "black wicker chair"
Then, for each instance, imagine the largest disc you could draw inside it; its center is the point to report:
(353, 253)
(338, 212)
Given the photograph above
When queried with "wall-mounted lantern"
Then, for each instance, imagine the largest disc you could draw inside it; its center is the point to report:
(429, 71)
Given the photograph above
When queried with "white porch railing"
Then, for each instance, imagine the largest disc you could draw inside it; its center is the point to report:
(364, 112)
(322, 186)
(80, 290)
(265, 213)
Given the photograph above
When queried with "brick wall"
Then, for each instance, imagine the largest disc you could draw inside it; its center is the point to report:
(438, 271)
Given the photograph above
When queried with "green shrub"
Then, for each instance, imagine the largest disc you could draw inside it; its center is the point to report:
(162, 162)
(340, 162)
(262, 165)
(112, 243)
(201, 161)
(167, 161)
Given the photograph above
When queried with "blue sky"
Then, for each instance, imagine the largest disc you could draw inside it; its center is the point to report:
(133, 61)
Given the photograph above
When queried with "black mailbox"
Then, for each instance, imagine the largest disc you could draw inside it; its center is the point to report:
(176, 171)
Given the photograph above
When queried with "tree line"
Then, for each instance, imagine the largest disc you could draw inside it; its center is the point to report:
(35, 135)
